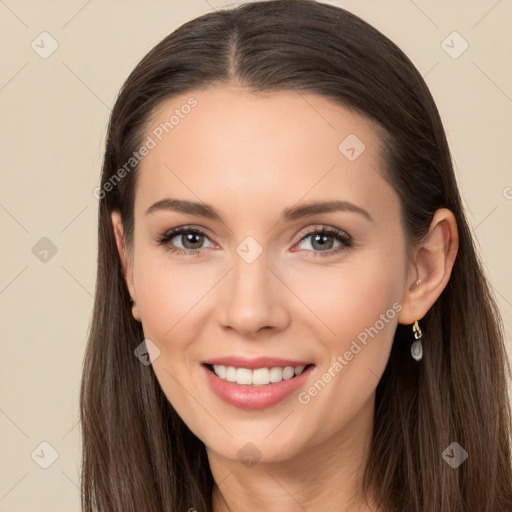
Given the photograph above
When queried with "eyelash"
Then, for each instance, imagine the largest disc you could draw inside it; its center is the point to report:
(344, 238)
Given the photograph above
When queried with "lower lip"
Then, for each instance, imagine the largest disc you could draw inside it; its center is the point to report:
(254, 397)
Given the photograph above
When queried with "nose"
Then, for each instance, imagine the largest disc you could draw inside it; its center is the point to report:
(253, 298)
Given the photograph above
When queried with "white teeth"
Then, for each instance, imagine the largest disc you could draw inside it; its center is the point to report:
(220, 371)
(288, 373)
(299, 370)
(230, 373)
(276, 374)
(261, 376)
(243, 376)
(258, 377)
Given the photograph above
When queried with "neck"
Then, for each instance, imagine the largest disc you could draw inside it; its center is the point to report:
(324, 476)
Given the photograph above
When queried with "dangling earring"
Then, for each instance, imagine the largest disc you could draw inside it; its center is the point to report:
(416, 347)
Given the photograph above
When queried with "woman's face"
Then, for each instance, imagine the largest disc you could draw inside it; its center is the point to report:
(258, 279)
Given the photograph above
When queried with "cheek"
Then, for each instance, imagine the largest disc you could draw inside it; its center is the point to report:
(358, 306)
(365, 297)
(167, 293)
(346, 299)
(170, 297)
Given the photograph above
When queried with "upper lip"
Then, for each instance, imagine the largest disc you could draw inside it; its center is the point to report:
(255, 362)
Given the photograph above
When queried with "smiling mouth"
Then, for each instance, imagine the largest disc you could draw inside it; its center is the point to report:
(257, 377)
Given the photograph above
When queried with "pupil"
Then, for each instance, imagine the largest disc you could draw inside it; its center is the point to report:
(319, 237)
(189, 239)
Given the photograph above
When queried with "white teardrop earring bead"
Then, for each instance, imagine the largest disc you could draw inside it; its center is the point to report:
(417, 350)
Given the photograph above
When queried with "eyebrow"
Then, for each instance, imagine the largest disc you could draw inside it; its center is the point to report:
(293, 213)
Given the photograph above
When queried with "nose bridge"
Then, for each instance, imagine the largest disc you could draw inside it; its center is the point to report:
(253, 299)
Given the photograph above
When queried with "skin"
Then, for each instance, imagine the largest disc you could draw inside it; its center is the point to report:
(250, 157)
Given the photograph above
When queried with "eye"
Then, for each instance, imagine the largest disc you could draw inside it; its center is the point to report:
(191, 239)
(322, 241)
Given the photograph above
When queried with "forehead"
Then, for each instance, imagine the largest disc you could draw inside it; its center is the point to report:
(227, 144)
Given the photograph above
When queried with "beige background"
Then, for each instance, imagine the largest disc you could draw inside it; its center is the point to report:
(54, 114)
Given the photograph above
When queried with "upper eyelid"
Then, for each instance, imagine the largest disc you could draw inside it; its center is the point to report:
(330, 230)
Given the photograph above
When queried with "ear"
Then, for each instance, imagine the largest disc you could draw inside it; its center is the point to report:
(433, 261)
(126, 260)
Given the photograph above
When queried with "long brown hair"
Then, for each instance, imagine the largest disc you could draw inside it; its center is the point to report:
(138, 455)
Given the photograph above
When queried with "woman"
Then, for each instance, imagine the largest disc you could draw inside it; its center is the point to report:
(290, 313)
